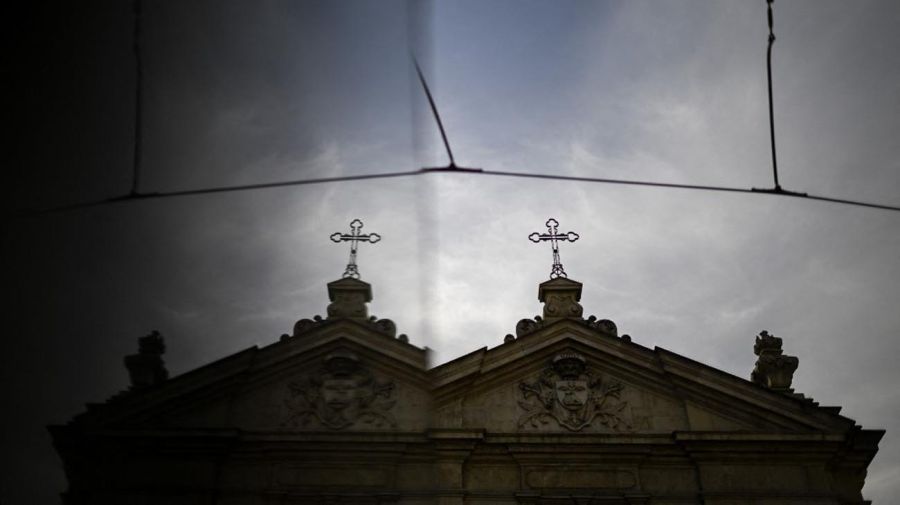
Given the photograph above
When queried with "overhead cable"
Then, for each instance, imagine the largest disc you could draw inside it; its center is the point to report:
(136, 195)
(348, 178)
(434, 111)
(138, 105)
(771, 106)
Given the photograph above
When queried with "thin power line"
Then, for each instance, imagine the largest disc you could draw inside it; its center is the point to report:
(347, 178)
(437, 116)
(135, 195)
(215, 189)
(779, 192)
(139, 77)
(771, 107)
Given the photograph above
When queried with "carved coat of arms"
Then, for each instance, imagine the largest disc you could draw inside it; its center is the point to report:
(566, 392)
(340, 394)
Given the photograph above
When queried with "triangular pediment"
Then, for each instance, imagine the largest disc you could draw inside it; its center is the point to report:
(344, 375)
(568, 377)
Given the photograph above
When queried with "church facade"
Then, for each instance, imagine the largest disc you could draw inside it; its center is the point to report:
(567, 411)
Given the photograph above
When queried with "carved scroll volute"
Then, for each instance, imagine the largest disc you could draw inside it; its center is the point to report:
(562, 305)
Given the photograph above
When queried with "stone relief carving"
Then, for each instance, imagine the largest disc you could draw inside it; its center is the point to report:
(562, 305)
(348, 304)
(340, 394)
(566, 392)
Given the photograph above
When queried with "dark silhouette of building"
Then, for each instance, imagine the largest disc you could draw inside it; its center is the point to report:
(566, 411)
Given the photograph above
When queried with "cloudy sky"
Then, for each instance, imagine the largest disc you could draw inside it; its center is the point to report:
(251, 92)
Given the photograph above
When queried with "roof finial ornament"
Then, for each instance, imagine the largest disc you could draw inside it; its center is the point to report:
(554, 237)
(146, 368)
(354, 237)
(774, 369)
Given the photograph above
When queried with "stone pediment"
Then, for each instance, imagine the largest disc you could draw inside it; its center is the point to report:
(568, 377)
(341, 376)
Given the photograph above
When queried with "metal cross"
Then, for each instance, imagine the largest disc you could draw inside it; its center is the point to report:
(554, 238)
(354, 238)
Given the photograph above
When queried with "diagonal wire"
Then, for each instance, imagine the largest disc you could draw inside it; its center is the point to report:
(211, 190)
(437, 115)
(628, 182)
(771, 106)
(138, 101)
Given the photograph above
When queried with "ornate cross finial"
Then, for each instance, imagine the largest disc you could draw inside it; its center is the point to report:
(354, 238)
(554, 238)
